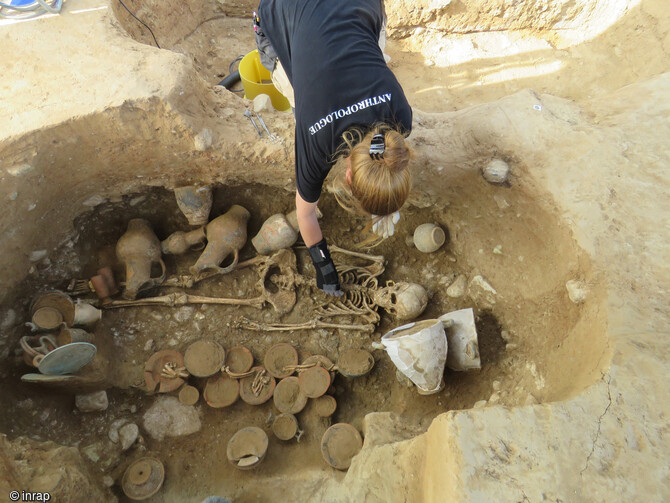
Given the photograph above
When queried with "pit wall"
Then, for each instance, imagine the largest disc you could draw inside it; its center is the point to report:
(537, 16)
(445, 32)
(174, 20)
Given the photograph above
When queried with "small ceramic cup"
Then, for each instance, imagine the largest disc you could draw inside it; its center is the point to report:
(428, 238)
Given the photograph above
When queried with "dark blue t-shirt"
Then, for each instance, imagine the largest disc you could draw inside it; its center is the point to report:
(330, 52)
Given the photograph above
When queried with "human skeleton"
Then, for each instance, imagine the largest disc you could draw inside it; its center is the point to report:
(279, 277)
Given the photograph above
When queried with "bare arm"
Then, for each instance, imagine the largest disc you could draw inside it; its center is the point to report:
(307, 221)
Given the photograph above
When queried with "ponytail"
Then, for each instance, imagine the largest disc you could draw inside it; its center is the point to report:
(378, 186)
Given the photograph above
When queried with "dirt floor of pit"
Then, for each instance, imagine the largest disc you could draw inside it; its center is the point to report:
(527, 350)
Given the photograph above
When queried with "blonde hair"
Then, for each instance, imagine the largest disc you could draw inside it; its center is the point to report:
(378, 187)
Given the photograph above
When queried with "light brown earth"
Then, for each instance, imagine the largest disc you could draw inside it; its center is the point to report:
(571, 403)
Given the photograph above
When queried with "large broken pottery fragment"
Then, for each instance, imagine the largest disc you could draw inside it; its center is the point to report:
(461, 335)
(419, 351)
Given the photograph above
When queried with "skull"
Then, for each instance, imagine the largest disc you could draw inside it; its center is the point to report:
(404, 301)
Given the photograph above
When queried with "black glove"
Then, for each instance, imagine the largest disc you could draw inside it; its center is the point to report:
(326, 274)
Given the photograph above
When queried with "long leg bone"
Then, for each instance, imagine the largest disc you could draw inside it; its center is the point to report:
(182, 299)
(283, 299)
(248, 324)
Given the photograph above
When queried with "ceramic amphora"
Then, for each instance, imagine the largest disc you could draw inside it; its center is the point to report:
(226, 234)
(138, 249)
(195, 203)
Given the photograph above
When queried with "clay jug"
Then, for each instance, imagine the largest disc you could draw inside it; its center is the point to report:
(195, 203)
(138, 249)
(277, 232)
(179, 242)
(226, 234)
(86, 314)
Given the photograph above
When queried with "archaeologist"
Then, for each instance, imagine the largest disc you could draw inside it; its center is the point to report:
(326, 57)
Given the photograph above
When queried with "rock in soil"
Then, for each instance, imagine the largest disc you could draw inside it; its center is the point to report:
(127, 435)
(168, 417)
(92, 402)
(457, 288)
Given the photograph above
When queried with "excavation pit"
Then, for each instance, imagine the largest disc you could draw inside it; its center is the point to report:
(536, 345)
(571, 95)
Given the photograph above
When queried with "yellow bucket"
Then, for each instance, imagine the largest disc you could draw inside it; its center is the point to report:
(256, 79)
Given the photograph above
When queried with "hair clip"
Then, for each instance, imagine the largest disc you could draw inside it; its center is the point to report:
(377, 147)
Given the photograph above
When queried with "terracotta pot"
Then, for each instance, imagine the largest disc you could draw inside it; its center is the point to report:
(226, 234)
(195, 203)
(247, 448)
(69, 335)
(428, 238)
(47, 318)
(276, 233)
(285, 426)
(104, 285)
(339, 444)
(138, 249)
(55, 300)
(179, 242)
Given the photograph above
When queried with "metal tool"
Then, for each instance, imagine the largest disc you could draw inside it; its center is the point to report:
(247, 113)
(270, 135)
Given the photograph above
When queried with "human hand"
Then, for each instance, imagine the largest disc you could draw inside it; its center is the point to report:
(326, 274)
(384, 225)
